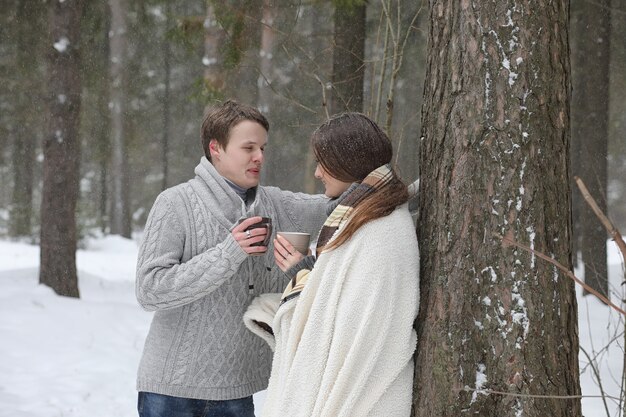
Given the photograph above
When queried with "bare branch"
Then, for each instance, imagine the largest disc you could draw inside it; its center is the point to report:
(383, 71)
(513, 394)
(606, 347)
(324, 100)
(594, 368)
(617, 237)
(565, 270)
(615, 234)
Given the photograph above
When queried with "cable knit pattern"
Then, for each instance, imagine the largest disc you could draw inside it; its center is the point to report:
(194, 275)
(186, 348)
(201, 226)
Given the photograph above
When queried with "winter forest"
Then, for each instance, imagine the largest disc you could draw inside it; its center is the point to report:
(498, 107)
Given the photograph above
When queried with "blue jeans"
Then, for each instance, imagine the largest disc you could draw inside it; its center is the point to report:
(150, 404)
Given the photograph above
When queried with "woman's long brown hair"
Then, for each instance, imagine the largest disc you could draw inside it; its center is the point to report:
(349, 146)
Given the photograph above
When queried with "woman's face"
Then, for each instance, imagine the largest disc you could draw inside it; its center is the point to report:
(333, 187)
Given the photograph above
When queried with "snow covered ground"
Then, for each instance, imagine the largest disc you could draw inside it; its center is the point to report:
(69, 357)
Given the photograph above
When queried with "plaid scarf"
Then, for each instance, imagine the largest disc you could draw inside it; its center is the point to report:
(374, 181)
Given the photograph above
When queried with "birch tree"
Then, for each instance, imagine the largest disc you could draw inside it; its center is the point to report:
(497, 327)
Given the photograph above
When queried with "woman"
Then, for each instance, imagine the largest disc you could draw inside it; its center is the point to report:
(342, 332)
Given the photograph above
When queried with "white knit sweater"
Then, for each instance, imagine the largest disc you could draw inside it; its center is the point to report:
(345, 346)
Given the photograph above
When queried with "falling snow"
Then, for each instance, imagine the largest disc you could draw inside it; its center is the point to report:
(206, 61)
(62, 44)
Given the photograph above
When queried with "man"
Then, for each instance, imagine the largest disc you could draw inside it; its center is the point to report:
(195, 271)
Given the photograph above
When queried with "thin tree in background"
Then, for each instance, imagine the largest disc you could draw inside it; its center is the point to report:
(95, 117)
(167, 75)
(348, 56)
(268, 38)
(214, 77)
(591, 33)
(310, 182)
(103, 149)
(242, 21)
(61, 150)
(266, 66)
(25, 129)
(497, 327)
(617, 116)
(233, 32)
(392, 102)
(119, 175)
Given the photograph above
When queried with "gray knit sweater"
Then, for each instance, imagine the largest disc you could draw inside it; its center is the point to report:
(199, 282)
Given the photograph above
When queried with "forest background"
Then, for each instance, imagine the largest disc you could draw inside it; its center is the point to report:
(147, 70)
(143, 94)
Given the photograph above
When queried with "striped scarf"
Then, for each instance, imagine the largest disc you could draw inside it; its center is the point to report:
(374, 181)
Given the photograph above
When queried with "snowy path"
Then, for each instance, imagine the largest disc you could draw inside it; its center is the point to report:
(68, 357)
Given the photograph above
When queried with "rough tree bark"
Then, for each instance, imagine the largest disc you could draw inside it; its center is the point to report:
(494, 161)
(591, 33)
(61, 150)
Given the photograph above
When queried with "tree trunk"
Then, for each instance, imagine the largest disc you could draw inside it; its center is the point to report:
(494, 161)
(23, 161)
(265, 62)
(103, 147)
(316, 43)
(61, 151)
(245, 36)
(591, 30)
(232, 42)
(266, 69)
(120, 206)
(166, 99)
(617, 117)
(348, 58)
(101, 134)
(214, 81)
(24, 132)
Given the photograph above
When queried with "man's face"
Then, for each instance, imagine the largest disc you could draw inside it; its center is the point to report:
(242, 159)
